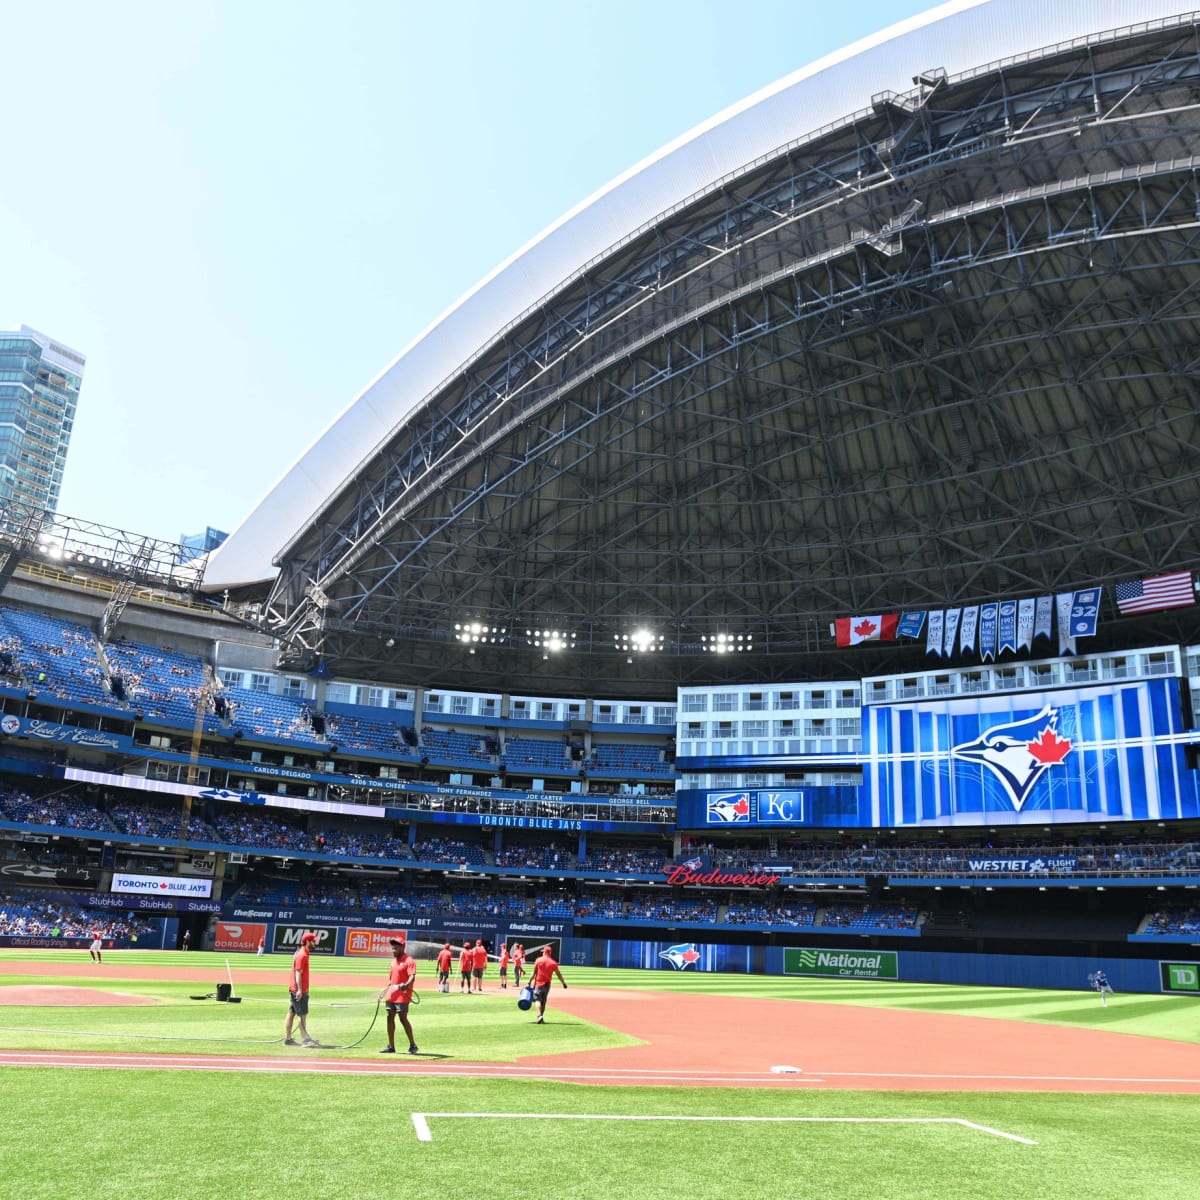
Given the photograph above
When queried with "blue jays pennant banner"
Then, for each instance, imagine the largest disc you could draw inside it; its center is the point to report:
(1076, 755)
(911, 624)
(1007, 634)
(970, 624)
(1064, 603)
(1025, 614)
(933, 639)
(987, 631)
(952, 616)
(1043, 622)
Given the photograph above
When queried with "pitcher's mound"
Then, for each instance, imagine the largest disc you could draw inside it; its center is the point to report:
(68, 997)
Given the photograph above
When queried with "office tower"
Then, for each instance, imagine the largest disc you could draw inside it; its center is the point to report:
(39, 389)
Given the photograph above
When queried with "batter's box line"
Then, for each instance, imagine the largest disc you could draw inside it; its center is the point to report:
(425, 1134)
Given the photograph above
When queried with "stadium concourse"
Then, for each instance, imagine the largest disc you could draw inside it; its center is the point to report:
(791, 549)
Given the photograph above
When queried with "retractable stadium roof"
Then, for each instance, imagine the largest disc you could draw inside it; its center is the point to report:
(913, 328)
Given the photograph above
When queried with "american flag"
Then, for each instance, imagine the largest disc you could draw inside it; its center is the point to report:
(1157, 592)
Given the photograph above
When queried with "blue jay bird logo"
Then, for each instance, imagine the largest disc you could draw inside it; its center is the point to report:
(729, 808)
(1018, 753)
(681, 956)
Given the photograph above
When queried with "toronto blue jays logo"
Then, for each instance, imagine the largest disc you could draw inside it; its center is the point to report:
(682, 956)
(729, 808)
(692, 864)
(1018, 753)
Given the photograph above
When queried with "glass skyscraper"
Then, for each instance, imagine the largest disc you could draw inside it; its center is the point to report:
(39, 389)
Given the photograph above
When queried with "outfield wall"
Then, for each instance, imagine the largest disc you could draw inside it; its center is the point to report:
(806, 961)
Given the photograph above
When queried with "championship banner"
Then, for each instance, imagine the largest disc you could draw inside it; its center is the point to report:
(1007, 636)
(1043, 619)
(970, 625)
(236, 936)
(1026, 609)
(988, 617)
(951, 631)
(935, 627)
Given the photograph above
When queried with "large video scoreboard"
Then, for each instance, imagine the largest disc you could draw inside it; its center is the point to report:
(1108, 753)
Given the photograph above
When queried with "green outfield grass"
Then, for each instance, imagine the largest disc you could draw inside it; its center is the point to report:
(67, 1135)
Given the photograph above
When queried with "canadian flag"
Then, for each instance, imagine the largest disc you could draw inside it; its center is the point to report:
(852, 630)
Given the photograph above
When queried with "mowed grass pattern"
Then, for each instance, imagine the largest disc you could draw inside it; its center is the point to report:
(173, 1134)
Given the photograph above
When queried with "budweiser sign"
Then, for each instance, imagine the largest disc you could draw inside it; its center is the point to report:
(683, 874)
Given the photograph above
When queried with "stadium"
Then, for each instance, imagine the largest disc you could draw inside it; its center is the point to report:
(784, 567)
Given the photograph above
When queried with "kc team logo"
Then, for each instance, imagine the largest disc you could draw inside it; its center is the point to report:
(729, 808)
(682, 956)
(1018, 753)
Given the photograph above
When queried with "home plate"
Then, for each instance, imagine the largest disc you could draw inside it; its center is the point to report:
(786, 1071)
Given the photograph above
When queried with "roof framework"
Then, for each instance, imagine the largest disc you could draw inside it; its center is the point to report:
(942, 354)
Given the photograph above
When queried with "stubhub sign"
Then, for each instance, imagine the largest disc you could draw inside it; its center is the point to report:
(161, 885)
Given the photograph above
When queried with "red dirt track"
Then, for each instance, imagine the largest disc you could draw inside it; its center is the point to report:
(697, 1040)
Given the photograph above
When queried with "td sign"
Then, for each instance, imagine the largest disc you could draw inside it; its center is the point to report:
(841, 964)
(1180, 977)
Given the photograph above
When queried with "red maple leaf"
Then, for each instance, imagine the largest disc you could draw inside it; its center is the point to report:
(1049, 748)
(742, 807)
(865, 628)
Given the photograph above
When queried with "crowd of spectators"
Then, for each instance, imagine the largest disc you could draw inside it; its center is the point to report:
(146, 818)
(795, 912)
(25, 913)
(624, 860)
(362, 843)
(450, 850)
(241, 826)
(64, 811)
(536, 858)
(1174, 922)
(52, 657)
(160, 683)
(869, 916)
(482, 903)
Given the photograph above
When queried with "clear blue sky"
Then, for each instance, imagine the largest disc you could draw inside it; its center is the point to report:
(242, 210)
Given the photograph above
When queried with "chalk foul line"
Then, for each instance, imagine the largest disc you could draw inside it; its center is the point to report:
(425, 1134)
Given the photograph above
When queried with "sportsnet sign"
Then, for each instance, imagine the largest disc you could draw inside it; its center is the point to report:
(161, 885)
(841, 964)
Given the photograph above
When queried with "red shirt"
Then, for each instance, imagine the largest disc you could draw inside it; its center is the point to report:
(518, 956)
(300, 964)
(466, 958)
(503, 957)
(444, 960)
(543, 970)
(401, 979)
(480, 953)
